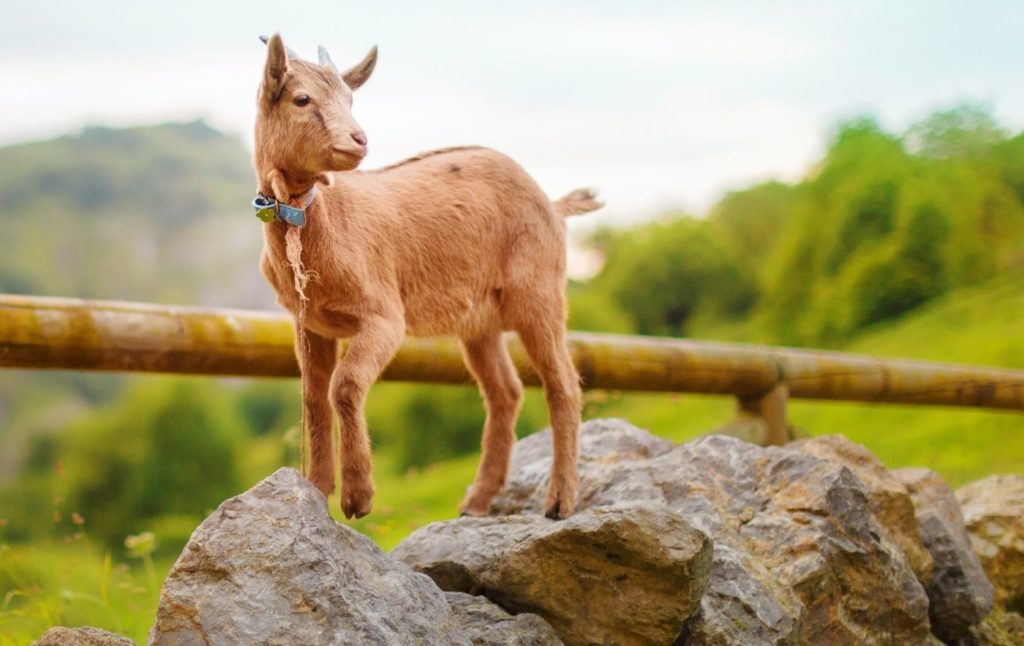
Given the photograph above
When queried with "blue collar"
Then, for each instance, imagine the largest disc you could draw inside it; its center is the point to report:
(269, 209)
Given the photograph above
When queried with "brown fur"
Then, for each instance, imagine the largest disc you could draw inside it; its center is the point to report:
(458, 241)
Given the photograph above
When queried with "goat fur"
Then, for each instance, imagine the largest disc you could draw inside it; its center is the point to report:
(459, 241)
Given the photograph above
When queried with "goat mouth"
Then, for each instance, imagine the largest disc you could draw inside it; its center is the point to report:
(354, 153)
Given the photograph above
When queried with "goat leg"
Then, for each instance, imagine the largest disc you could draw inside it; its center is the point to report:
(317, 356)
(488, 360)
(550, 357)
(369, 351)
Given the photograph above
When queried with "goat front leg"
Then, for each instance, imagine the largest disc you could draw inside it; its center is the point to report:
(369, 351)
(317, 356)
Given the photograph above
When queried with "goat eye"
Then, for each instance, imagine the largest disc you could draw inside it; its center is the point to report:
(301, 100)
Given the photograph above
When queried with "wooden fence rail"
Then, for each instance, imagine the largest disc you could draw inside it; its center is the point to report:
(58, 333)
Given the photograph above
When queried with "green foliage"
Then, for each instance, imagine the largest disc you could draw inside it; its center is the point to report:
(664, 273)
(594, 310)
(167, 447)
(423, 424)
(880, 226)
(270, 405)
(749, 223)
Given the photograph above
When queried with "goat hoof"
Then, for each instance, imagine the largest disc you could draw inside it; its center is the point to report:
(356, 502)
(559, 506)
(475, 505)
(352, 509)
(473, 512)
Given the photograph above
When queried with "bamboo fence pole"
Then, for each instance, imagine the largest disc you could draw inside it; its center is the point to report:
(57, 333)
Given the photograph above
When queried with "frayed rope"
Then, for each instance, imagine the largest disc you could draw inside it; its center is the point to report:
(301, 277)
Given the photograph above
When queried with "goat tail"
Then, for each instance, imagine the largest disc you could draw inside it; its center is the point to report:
(582, 200)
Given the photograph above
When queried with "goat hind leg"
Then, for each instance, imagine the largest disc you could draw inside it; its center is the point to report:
(490, 364)
(545, 344)
(369, 351)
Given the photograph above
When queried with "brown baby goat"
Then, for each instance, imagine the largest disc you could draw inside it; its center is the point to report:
(456, 241)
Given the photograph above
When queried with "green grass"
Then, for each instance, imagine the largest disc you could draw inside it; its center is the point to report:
(75, 584)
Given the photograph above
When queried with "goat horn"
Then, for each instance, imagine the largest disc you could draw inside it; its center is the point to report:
(288, 50)
(325, 58)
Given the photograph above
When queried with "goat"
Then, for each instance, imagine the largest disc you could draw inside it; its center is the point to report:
(456, 241)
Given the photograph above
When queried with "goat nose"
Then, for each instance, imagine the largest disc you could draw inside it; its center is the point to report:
(360, 137)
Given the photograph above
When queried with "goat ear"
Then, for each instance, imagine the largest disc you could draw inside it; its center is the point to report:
(277, 66)
(358, 74)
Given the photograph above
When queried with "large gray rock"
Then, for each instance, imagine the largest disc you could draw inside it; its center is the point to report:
(799, 556)
(605, 445)
(487, 624)
(609, 575)
(958, 590)
(888, 497)
(83, 636)
(271, 567)
(993, 510)
(743, 605)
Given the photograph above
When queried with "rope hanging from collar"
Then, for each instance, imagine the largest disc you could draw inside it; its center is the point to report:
(269, 209)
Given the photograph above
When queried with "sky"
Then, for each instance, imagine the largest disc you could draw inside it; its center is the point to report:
(658, 105)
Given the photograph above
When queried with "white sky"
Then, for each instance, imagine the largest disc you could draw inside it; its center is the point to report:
(656, 104)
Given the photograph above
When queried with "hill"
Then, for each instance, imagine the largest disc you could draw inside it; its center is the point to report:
(154, 214)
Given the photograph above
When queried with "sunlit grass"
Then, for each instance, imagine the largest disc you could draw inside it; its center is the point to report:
(75, 583)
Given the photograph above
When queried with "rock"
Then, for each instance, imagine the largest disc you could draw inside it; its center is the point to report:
(959, 593)
(743, 605)
(604, 446)
(1000, 628)
(808, 562)
(486, 624)
(620, 574)
(888, 497)
(84, 636)
(993, 510)
(271, 567)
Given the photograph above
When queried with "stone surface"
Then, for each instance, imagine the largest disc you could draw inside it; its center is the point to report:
(960, 595)
(486, 624)
(1000, 628)
(605, 445)
(271, 567)
(608, 575)
(799, 557)
(743, 605)
(83, 636)
(993, 510)
(888, 497)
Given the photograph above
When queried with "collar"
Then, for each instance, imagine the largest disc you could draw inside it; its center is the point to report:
(269, 209)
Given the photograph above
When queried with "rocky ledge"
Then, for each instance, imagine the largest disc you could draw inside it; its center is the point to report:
(715, 541)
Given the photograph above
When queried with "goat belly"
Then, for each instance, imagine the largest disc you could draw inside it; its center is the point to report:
(442, 314)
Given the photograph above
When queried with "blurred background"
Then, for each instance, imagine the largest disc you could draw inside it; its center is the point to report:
(832, 175)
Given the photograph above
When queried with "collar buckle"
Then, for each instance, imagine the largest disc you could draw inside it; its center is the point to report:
(268, 209)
